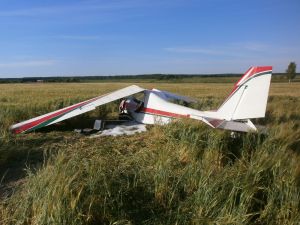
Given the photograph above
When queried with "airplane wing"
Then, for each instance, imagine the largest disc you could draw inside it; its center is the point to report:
(73, 110)
(168, 96)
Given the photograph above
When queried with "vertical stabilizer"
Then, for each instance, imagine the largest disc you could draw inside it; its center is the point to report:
(248, 99)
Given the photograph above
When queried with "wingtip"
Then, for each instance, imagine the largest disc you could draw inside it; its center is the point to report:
(14, 130)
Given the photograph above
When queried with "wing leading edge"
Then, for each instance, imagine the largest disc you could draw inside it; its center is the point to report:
(73, 110)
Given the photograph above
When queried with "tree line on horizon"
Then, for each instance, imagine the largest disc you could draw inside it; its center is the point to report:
(290, 75)
(157, 77)
(110, 77)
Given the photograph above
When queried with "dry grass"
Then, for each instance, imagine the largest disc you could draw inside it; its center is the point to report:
(12, 94)
(182, 173)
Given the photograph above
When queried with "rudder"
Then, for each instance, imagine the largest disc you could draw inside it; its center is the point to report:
(249, 96)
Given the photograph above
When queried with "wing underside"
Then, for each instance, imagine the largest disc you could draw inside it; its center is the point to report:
(73, 110)
(171, 96)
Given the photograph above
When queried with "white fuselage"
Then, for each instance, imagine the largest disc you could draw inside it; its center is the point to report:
(156, 110)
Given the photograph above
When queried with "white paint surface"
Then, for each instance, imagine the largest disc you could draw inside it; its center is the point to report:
(127, 128)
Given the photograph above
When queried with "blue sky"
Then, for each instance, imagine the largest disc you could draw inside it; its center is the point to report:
(110, 37)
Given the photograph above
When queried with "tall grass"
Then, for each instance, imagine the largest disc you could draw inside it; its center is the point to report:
(182, 173)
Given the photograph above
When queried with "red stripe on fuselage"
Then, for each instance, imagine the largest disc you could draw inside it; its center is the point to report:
(164, 113)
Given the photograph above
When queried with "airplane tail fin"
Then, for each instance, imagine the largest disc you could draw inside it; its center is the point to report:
(248, 99)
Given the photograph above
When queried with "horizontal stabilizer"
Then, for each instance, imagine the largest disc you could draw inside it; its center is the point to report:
(241, 126)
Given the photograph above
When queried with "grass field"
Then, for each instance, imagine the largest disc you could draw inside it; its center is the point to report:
(182, 173)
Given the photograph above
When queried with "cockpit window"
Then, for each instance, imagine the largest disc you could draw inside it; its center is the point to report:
(140, 106)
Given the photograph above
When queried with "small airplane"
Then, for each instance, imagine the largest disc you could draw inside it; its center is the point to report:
(246, 101)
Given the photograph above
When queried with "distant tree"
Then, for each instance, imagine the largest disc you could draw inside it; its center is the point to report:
(291, 71)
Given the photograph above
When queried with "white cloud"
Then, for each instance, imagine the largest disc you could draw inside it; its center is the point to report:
(31, 63)
(239, 49)
(208, 51)
(80, 37)
(91, 37)
(82, 6)
(251, 46)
